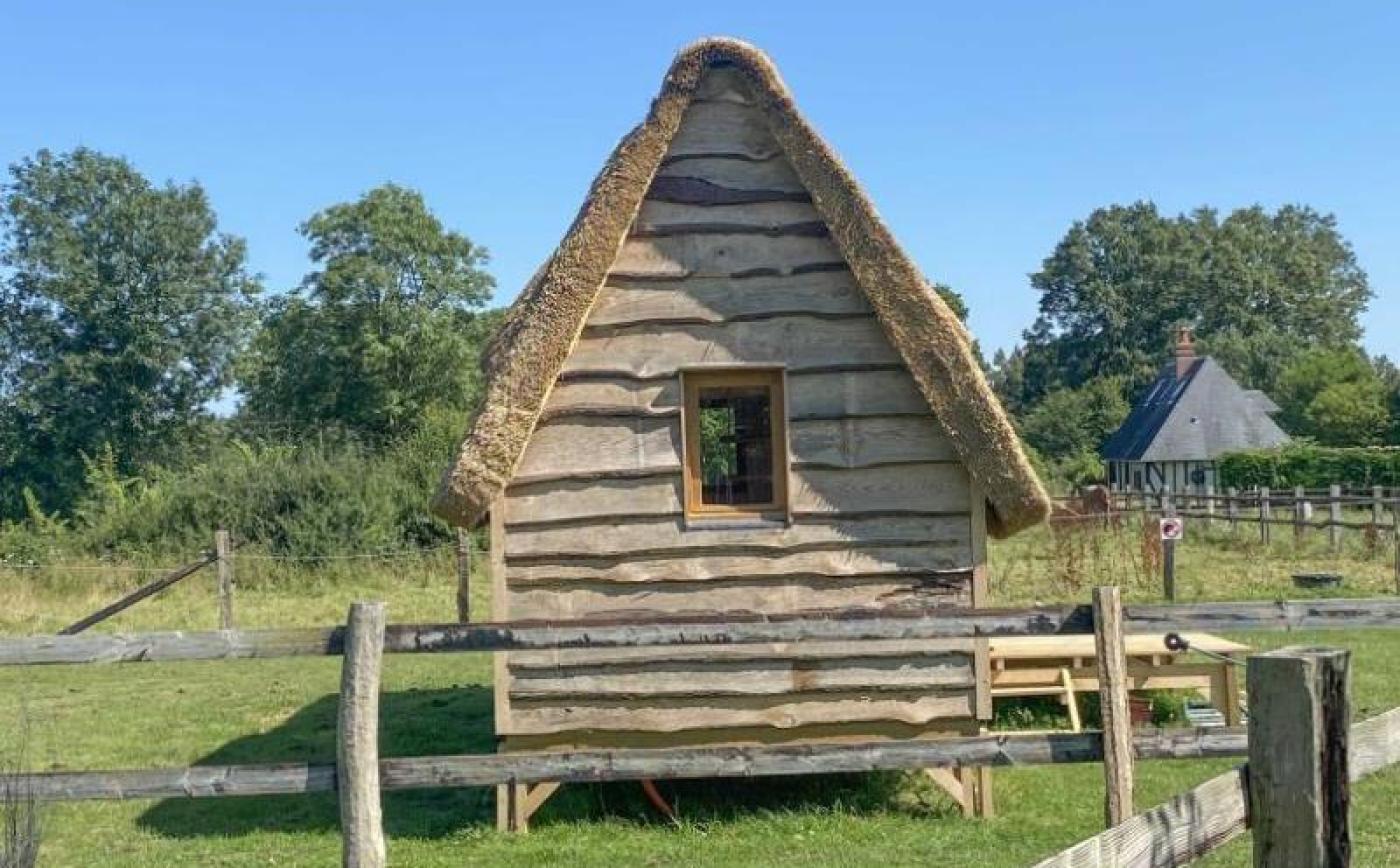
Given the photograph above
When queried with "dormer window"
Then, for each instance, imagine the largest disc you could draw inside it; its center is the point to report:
(735, 442)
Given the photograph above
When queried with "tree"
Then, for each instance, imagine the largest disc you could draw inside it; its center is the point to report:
(1118, 283)
(121, 310)
(1071, 422)
(1335, 396)
(381, 331)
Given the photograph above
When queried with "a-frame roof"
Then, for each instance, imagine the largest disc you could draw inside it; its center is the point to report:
(542, 326)
(1198, 416)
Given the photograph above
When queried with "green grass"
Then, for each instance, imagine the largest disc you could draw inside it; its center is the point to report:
(269, 710)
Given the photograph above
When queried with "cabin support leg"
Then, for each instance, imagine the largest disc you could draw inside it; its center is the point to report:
(517, 803)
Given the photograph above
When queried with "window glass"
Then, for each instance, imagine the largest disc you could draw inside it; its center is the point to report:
(735, 442)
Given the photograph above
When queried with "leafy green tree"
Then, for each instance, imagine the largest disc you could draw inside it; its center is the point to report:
(1118, 283)
(1334, 396)
(1076, 421)
(121, 310)
(385, 328)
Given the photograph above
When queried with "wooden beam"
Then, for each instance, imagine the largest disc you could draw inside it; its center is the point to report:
(357, 739)
(702, 629)
(1298, 780)
(484, 770)
(1113, 703)
(138, 595)
(1334, 517)
(464, 576)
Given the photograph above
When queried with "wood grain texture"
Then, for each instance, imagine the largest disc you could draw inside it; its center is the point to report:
(1113, 702)
(480, 770)
(564, 446)
(797, 342)
(660, 714)
(856, 559)
(655, 216)
(718, 255)
(742, 678)
(357, 739)
(888, 488)
(556, 660)
(723, 127)
(721, 299)
(812, 396)
(722, 594)
(671, 537)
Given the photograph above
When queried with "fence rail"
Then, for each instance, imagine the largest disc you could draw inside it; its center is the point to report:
(719, 629)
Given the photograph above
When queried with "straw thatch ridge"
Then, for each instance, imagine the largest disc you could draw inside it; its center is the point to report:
(544, 324)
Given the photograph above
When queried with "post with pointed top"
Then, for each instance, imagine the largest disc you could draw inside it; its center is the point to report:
(357, 739)
(1299, 792)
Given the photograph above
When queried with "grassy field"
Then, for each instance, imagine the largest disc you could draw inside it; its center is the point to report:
(270, 710)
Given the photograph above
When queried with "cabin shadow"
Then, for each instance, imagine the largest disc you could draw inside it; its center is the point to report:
(459, 721)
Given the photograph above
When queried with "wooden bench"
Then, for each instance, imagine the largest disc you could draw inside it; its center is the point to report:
(1063, 665)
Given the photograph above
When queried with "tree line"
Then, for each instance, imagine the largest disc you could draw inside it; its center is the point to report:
(130, 324)
(1276, 297)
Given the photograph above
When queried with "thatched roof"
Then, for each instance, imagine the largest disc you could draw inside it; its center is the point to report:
(541, 328)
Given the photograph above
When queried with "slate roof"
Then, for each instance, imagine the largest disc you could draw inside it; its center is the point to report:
(1198, 417)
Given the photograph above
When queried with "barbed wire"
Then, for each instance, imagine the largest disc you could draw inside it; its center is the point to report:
(387, 555)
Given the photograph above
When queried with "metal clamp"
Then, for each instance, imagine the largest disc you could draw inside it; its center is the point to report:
(1179, 643)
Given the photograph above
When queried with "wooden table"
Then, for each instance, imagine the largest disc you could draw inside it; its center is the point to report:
(1062, 665)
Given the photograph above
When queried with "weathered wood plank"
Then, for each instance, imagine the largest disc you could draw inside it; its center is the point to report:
(720, 299)
(690, 630)
(743, 678)
(1175, 832)
(788, 711)
(822, 396)
(733, 173)
(721, 594)
(484, 770)
(950, 557)
(694, 191)
(723, 85)
(672, 537)
(583, 444)
(873, 441)
(720, 255)
(655, 216)
(556, 660)
(888, 488)
(795, 341)
(723, 127)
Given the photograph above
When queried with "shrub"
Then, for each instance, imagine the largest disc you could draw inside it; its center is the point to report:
(1311, 466)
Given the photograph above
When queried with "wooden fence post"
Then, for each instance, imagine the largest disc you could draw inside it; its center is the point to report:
(1377, 507)
(1113, 702)
(223, 566)
(1300, 505)
(1210, 506)
(1334, 517)
(1299, 716)
(1266, 514)
(464, 576)
(357, 739)
(1169, 556)
(1232, 508)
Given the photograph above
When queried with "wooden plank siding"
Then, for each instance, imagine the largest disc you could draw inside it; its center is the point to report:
(728, 263)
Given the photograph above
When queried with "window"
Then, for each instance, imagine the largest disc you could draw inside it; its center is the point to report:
(735, 442)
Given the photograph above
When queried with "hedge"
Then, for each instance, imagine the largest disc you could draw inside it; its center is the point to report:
(1311, 467)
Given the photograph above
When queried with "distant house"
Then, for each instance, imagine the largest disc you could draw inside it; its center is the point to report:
(1191, 415)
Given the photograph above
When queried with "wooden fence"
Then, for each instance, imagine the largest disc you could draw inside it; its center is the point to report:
(360, 774)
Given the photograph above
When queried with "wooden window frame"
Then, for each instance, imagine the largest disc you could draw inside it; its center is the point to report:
(695, 379)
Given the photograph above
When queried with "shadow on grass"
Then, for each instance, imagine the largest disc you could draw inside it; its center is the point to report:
(459, 721)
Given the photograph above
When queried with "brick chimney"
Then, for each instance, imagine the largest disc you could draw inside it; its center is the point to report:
(1185, 351)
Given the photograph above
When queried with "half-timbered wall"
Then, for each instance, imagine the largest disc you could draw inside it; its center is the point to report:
(728, 262)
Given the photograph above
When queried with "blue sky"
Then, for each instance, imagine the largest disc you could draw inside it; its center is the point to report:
(981, 130)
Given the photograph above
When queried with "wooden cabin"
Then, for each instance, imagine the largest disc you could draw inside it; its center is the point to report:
(729, 390)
